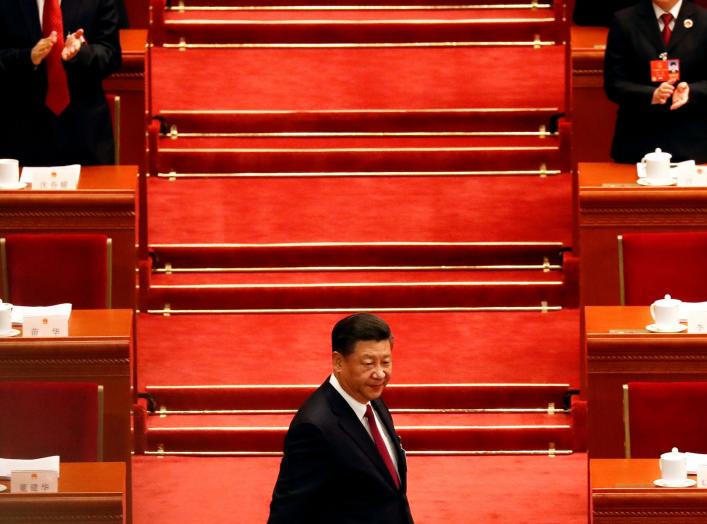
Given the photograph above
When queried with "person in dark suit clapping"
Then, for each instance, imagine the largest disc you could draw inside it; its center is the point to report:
(343, 462)
(53, 59)
(667, 114)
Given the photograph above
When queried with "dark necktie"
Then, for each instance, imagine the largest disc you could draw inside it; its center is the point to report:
(380, 445)
(666, 18)
(57, 86)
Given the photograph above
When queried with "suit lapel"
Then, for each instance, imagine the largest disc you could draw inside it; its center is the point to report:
(354, 429)
(70, 10)
(680, 31)
(31, 16)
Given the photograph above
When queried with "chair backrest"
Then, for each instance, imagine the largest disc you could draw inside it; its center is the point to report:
(51, 418)
(45, 269)
(661, 415)
(114, 106)
(652, 265)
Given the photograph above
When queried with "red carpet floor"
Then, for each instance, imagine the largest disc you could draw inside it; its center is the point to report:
(295, 348)
(356, 79)
(365, 209)
(442, 490)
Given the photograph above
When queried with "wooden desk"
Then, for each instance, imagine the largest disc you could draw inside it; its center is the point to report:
(623, 492)
(98, 349)
(619, 350)
(105, 202)
(612, 203)
(89, 492)
(129, 84)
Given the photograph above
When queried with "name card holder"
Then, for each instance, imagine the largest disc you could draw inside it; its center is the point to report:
(39, 481)
(697, 321)
(691, 176)
(57, 178)
(45, 326)
(54, 181)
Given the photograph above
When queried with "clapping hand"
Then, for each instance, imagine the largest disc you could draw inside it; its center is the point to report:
(72, 45)
(663, 92)
(681, 95)
(42, 48)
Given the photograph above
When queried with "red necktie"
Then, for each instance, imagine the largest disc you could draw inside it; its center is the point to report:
(666, 18)
(57, 86)
(380, 445)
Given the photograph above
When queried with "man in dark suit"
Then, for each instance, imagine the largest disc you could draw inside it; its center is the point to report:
(31, 131)
(343, 462)
(671, 115)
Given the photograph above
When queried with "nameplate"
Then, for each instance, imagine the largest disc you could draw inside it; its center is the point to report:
(697, 321)
(39, 481)
(692, 178)
(45, 326)
(702, 476)
(57, 178)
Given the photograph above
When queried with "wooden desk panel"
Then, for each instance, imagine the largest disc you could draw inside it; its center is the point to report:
(129, 84)
(105, 202)
(89, 492)
(623, 492)
(612, 203)
(593, 114)
(98, 349)
(619, 350)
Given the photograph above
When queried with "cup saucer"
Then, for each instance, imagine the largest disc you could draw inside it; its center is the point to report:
(13, 185)
(658, 182)
(685, 483)
(657, 328)
(10, 333)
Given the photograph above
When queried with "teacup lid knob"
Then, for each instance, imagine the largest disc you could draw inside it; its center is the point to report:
(658, 150)
(668, 297)
(674, 450)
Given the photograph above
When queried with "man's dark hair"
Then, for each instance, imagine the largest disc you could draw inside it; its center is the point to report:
(357, 327)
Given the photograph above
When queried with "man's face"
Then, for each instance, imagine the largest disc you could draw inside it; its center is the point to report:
(364, 373)
(665, 5)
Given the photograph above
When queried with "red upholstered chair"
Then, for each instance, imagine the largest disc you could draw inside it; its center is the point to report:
(45, 269)
(661, 415)
(40, 419)
(652, 265)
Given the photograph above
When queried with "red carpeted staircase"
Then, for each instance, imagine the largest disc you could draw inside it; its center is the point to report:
(311, 160)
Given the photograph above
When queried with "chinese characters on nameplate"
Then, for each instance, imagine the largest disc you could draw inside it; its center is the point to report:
(57, 178)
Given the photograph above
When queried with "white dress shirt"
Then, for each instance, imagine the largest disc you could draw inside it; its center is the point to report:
(360, 411)
(40, 10)
(674, 11)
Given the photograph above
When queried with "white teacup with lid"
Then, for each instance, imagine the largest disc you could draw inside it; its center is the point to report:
(9, 171)
(5, 318)
(657, 164)
(673, 467)
(666, 312)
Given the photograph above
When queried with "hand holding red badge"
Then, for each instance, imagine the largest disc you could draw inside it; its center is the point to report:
(665, 70)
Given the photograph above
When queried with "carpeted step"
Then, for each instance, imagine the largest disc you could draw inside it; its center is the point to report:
(347, 5)
(358, 256)
(416, 439)
(163, 422)
(399, 397)
(441, 489)
(374, 154)
(369, 79)
(490, 121)
(347, 296)
(430, 348)
(351, 277)
(496, 209)
(251, 26)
